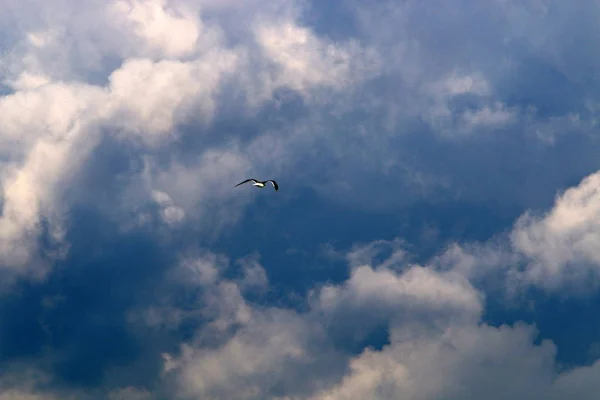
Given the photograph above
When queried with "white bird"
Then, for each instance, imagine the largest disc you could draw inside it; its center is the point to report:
(260, 184)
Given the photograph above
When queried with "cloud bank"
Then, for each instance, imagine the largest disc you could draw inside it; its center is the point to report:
(130, 269)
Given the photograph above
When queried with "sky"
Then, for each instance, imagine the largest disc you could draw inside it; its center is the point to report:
(436, 235)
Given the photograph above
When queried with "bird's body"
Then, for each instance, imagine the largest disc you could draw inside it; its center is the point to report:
(260, 184)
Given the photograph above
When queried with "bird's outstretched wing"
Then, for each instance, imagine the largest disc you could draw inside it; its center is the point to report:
(247, 180)
(275, 185)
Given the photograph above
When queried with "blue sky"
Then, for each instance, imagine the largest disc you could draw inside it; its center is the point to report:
(436, 235)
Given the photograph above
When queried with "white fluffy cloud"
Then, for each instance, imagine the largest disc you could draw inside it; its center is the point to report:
(249, 351)
(467, 362)
(564, 243)
(434, 351)
(50, 143)
(450, 122)
(554, 251)
(438, 345)
(379, 292)
(172, 68)
(142, 69)
(166, 29)
(260, 350)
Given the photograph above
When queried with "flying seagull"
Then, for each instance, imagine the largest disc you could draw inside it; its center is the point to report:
(260, 184)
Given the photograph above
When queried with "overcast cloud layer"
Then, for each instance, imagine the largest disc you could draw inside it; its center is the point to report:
(436, 235)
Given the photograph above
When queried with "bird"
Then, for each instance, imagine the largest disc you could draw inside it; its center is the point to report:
(260, 184)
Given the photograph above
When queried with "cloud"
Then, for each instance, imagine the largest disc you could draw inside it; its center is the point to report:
(555, 250)
(448, 117)
(21, 385)
(172, 70)
(168, 30)
(152, 97)
(41, 164)
(130, 393)
(265, 347)
(483, 74)
(466, 362)
(305, 60)
(432, 353)
(31, 384)
(170, 213)
(125, 125)
(31, 181)
(568, 233)
(383, 290)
